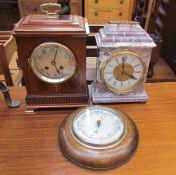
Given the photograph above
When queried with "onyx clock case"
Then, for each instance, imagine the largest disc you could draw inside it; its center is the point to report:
(124, 56)
(68, 31)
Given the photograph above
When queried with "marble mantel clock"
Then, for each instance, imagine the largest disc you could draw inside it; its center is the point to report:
(124, 55)
(52, 53)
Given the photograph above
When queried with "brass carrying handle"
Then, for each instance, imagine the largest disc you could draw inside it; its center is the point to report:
(51, 9)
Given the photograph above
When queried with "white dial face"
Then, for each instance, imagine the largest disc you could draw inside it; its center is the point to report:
(53, 62)
(123, 72)
(98, 126)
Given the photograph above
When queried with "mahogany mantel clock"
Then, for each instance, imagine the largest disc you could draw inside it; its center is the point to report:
(52, 53)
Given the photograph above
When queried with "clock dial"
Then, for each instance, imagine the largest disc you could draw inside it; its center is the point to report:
(123, 72)
(53, 62)
(98, 126)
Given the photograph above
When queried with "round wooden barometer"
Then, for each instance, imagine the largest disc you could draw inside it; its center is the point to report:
(98, 137)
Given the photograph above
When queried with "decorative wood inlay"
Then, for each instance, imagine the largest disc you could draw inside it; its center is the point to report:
(56, 100)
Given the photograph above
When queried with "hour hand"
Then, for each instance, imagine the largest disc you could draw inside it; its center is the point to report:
(58, 71)
(131, 76)
(54, 64)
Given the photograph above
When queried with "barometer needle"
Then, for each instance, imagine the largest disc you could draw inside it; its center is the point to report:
(98, 125)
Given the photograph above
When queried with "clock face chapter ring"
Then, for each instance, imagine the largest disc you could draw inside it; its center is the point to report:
(53, 62)
(92, 154)
(123, 72)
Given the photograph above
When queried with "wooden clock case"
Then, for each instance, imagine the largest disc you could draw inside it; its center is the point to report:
(68, 30)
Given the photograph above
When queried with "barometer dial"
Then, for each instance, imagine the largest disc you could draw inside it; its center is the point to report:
(98, 126)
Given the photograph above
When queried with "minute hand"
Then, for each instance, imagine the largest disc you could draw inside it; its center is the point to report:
(133, 77)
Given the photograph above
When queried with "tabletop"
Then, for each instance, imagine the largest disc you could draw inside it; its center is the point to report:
(29, 142)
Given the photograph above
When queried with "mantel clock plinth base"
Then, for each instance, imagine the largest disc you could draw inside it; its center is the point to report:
(35, 102)
(33, 108)
(100, 94)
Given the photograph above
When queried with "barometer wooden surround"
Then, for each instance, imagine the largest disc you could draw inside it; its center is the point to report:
(98, 138)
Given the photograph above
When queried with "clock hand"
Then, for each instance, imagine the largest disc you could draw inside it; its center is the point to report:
(55, 55)
(123, 65)
(131, 76)
(58, 71)
(54, 62)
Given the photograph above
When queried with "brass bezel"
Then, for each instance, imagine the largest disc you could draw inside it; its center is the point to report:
(99, 146)
(45, 78)
(125, 90)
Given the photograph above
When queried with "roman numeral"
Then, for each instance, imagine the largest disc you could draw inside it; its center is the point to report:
(108, 72)
(44, 52)
(115, 82)
(132, 60)
(39, 57)
(137, 65)
(109, 79)
(110, 65)
(137, 72)
(52, 49)
(117, 61)
(124, 59)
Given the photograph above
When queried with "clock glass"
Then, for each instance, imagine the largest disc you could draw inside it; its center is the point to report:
(98, 127)
(123, 72)
(53, 62)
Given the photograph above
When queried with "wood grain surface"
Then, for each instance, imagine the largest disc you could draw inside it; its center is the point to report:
(29, 142)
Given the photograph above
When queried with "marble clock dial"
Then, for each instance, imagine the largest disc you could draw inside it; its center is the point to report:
(53, 62)
(123, 72)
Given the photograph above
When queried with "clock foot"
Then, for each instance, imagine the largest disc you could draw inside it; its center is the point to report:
(33, 108)
(29, 110)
